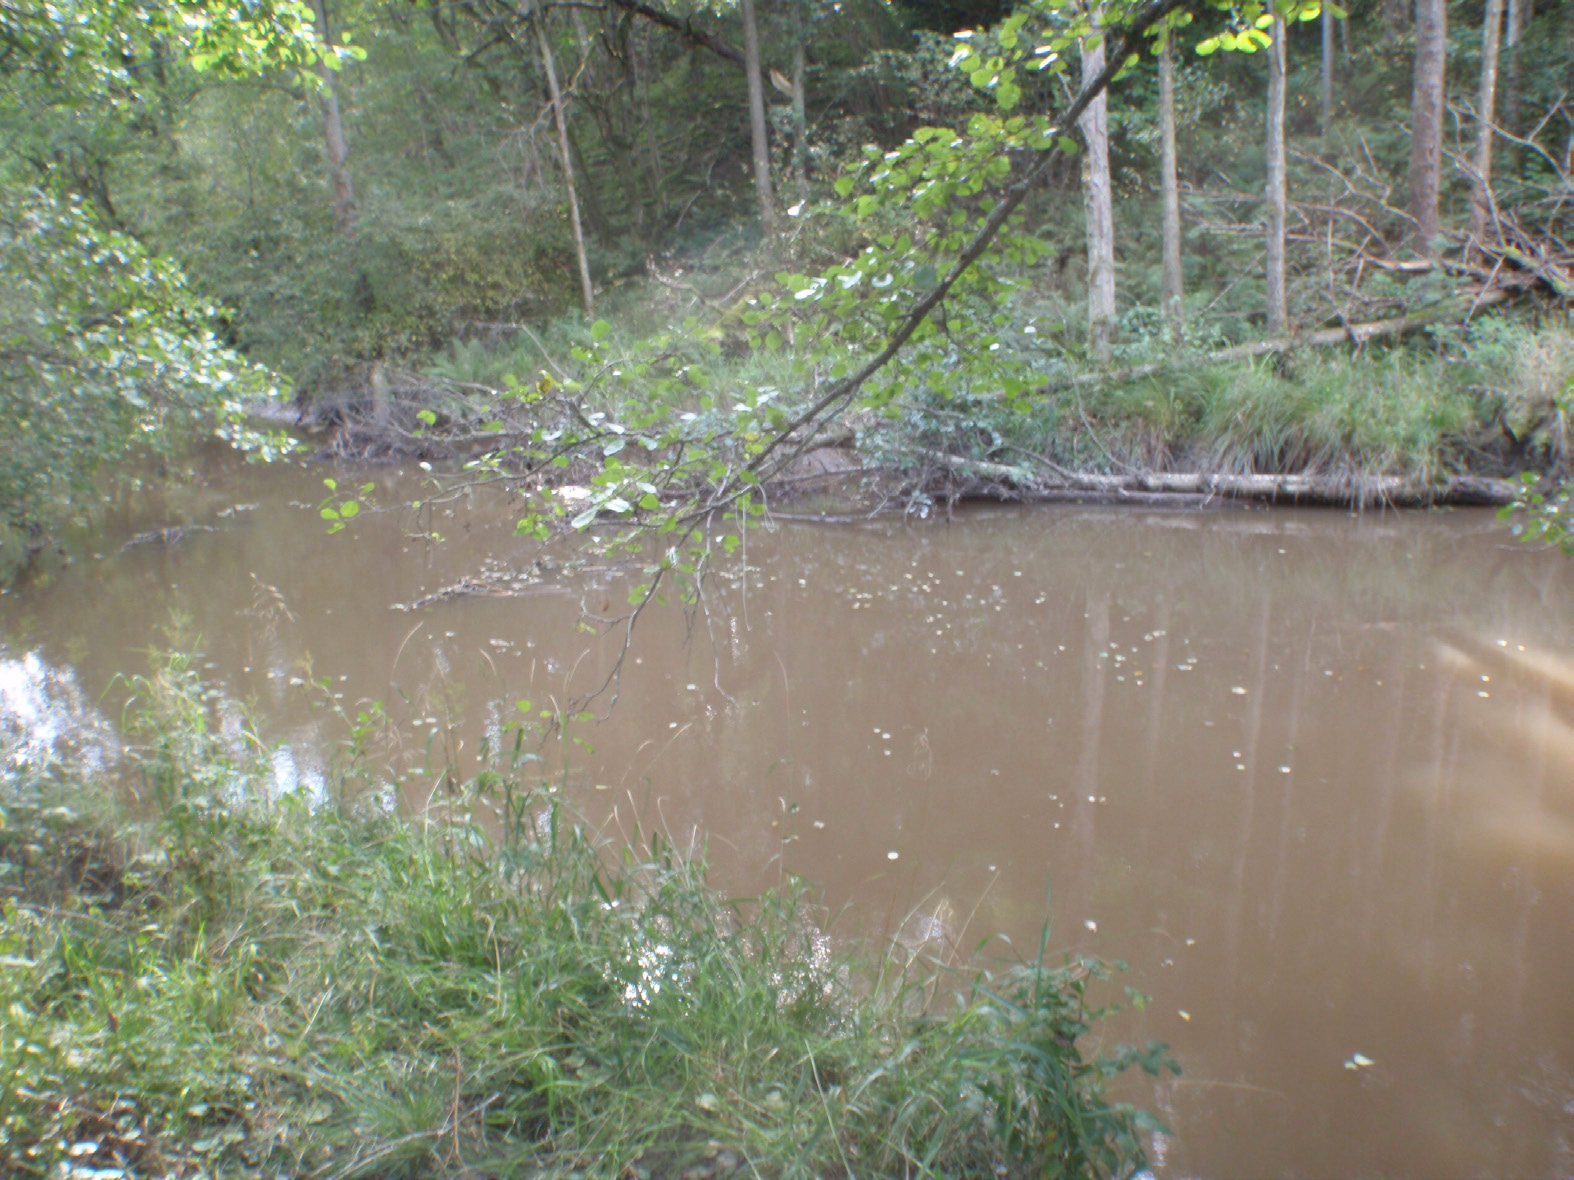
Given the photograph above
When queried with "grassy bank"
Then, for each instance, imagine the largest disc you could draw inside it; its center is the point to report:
(221, 983)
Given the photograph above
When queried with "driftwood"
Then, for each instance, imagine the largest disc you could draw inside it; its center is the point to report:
(1342, 491)
(1356, 334)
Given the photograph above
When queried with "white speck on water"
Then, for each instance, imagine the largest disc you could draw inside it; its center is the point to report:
(1284, 770)
(691, 687)
(892, 855)
(820, 823)
(1092, 925)
(1238, 690)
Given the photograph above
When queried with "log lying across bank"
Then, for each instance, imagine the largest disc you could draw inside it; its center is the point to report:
(1339, 491)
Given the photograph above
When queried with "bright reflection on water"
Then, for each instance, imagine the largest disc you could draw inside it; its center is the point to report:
(1311, 776)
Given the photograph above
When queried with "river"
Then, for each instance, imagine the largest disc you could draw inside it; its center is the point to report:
(1310, 775)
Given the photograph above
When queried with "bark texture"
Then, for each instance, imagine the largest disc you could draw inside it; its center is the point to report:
(1426, 121)
(1277, 193)
(1097, 204)
(335, 150)
(1481, 188)
(1174, 288)
(757, 136)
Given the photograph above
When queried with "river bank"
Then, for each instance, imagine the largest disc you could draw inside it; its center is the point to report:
(227, 981)
(1467, 417)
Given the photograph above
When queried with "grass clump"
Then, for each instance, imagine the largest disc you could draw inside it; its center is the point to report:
(236, 984)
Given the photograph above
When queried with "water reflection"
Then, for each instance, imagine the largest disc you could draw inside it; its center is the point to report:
(1248, 752)
(45, 717)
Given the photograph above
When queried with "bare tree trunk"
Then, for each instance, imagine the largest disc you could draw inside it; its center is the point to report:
(1174, 289)
(1098, 210)
(1518, 17)
(762, 145)
(800, 113)
(1481, 189)
(1277, 189)
(1426, 115)
(338, 155)
(587, 293)
(1327, 95)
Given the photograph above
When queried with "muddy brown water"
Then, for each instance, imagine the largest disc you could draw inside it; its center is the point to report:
(1310, 775)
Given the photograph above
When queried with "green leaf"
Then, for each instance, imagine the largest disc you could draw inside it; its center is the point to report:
(599, 330)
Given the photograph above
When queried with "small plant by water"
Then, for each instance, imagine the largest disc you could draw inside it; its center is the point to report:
(224, 981)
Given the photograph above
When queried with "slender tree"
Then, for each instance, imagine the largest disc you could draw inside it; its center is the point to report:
(762, 147)
(1173, 282)
(1426, 121)
(1277, 189)
(587, 292)
(800, 115)
(1481, 188)
(1097, 203)
(335, 149)
(1327, 80)
(1519, 13)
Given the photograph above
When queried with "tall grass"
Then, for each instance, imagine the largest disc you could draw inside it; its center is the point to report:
(220, 982)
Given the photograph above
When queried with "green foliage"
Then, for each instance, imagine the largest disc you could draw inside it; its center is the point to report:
(104, 354)
(237, 984)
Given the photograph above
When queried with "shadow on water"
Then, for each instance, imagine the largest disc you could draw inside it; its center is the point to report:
(1311, 776)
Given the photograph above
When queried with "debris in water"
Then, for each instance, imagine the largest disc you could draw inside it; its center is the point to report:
(1359, 1061)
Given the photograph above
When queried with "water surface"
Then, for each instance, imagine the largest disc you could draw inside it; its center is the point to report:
(1310, 775)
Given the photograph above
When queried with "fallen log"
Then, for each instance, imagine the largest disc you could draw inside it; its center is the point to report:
(1338, 491)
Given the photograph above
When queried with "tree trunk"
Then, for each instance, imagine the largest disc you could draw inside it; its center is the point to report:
(1426, 116)
(1327, 95)
(762, 145)
(338, 155)
(1277, 189)
(1174, 290)
(587, 292)
(1518, 17)
(1098, 209)
(1481, 188)
(800, 114)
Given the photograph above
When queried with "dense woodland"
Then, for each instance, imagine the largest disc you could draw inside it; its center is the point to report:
(1287, 240)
